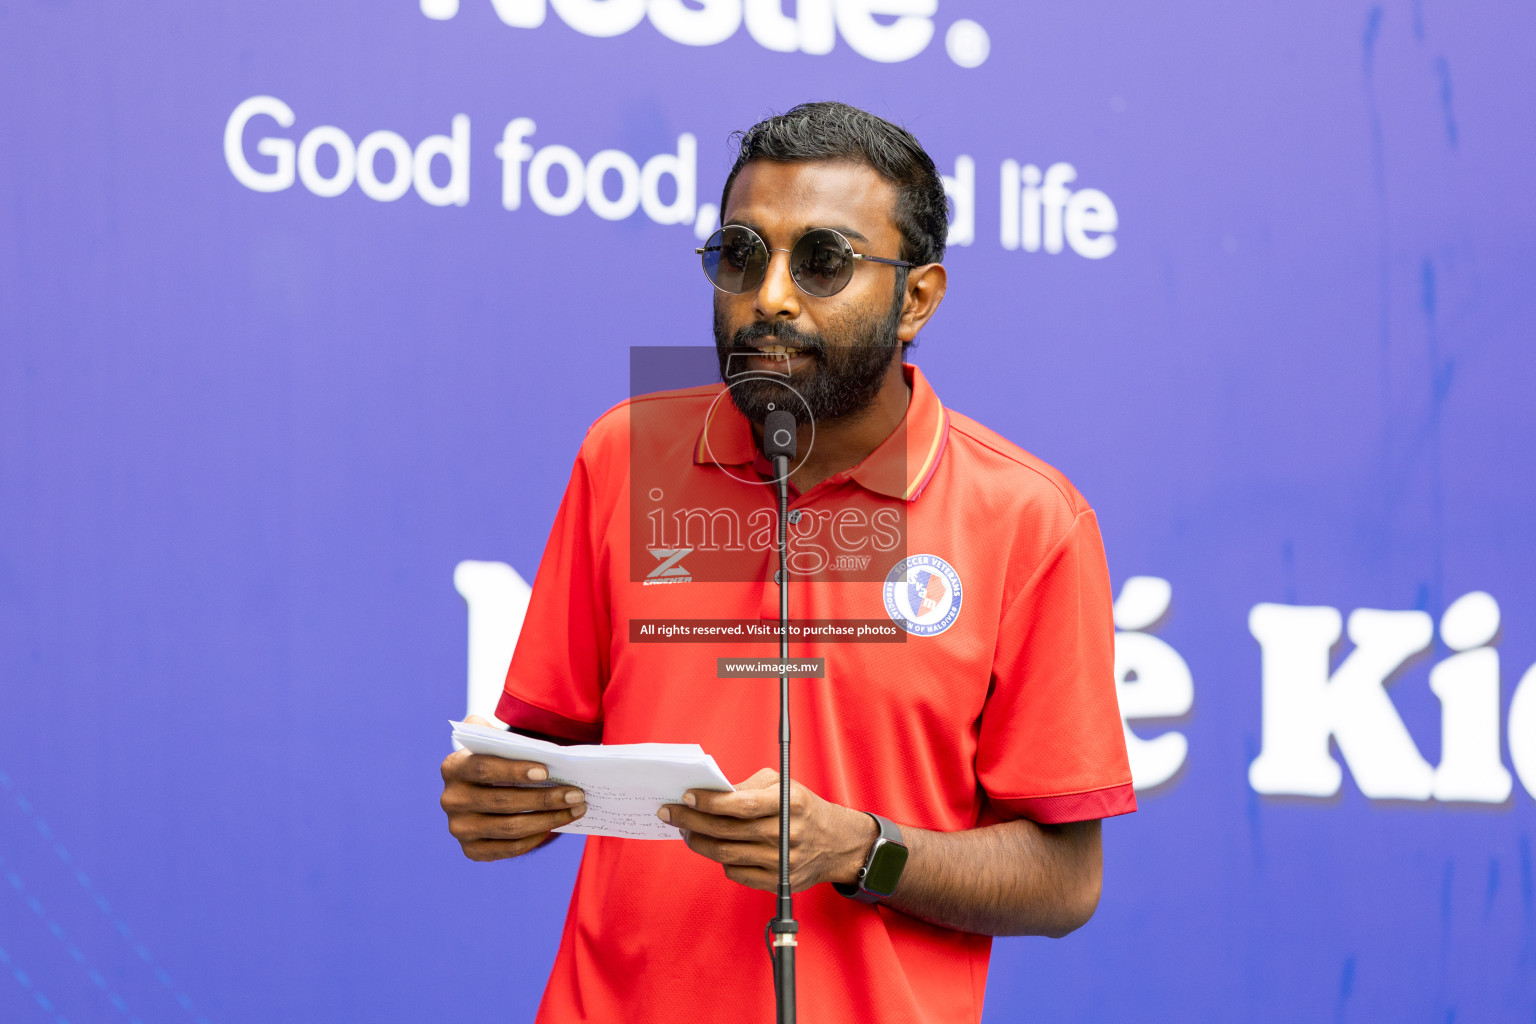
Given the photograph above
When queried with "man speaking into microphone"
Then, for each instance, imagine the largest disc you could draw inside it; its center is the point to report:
(946, 788)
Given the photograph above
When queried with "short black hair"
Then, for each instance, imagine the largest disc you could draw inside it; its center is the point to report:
(837, 131)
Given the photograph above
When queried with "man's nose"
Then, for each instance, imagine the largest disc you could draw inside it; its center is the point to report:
(777, 297)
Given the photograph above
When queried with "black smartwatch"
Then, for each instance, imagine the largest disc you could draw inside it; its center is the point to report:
(882, 868)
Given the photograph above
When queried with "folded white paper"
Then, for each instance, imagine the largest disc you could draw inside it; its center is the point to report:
(625, 783)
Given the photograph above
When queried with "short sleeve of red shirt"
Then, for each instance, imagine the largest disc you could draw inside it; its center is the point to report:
(1051, 747)
(555, 682)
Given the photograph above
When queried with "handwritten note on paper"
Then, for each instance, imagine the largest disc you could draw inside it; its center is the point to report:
(626, 783)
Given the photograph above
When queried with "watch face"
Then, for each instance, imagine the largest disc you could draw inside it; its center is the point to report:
(885, 868)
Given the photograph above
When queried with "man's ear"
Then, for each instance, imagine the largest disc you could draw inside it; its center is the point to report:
(925, 290)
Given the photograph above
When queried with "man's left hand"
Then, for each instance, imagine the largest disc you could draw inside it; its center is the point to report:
(740, 830)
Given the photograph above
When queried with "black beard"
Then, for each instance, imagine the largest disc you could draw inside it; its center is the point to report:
(840, 379)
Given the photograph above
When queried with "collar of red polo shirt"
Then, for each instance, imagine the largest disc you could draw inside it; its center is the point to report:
(900, 467)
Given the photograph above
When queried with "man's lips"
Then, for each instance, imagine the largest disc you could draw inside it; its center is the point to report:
(777, 358)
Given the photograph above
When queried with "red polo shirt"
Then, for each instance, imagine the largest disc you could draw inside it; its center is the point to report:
(1000, 703)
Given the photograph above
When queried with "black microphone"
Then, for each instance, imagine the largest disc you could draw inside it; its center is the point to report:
(779, 435)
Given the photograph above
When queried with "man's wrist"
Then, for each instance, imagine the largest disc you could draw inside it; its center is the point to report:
(860, 835)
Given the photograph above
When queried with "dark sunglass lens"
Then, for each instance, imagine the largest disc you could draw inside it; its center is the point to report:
(710, 257)
(735, 259)
(822, 262)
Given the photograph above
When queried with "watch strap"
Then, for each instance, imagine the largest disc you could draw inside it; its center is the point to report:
(889, 833)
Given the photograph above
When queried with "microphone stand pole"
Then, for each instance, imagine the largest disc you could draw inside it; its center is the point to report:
(784, 926)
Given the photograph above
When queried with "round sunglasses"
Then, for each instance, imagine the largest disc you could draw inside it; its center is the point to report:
(821, 261)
